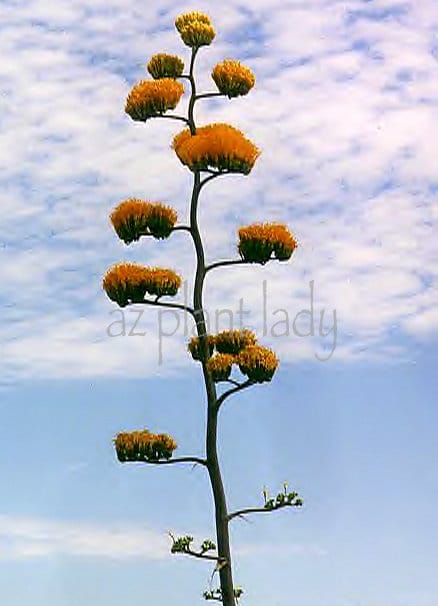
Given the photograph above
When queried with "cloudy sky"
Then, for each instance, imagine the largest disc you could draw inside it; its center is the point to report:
(345, 113)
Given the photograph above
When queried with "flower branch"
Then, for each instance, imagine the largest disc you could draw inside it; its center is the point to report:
(194, 460)
(157, 302)
(212, 175)
(232, 391)
(173, 117)
(206, 95)
(182, 545)
(226, 263)
(283, 499)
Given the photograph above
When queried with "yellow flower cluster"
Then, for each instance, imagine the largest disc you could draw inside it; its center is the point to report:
(194, 347)
(219, 146)
(259, 241)
(151, 98)
(195, 29)
(257, 363)
(143, 445)
(233, 341)
(236, 347)
(134, 218)
(163, 65)
(219, 366)
(129, 282)
(232, 78)
(183, 20)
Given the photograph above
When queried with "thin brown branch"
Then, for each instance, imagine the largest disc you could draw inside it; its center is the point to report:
(242, 512)
(158, 303)
(232, 391)
(173, 117)
(194, 460)
(203, 556)
(205, 95)
(181, 228)
(225, 263)
(233, 382)
(213, 175)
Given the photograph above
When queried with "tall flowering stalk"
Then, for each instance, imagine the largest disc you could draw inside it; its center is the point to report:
(208, 152)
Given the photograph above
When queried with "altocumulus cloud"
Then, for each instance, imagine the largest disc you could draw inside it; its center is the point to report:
(345, 114)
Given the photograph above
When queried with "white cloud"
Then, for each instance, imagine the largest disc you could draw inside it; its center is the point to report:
(344, 111)
(24, 538)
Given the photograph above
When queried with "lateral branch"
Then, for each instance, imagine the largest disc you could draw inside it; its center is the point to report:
(232, 391)
(195, 460)
(158, 303)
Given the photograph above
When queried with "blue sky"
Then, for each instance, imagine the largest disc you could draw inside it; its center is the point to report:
(344, 111)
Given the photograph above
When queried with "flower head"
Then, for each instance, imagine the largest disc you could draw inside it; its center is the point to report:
(126, 283)
(163, 65)
(161, 220)
(162, 282)
(233, 341)
(130, 219)
(219, 366)
(144, 445)
(258, 363)
(129, 282)
(151, 98)
(194, 347)
(219, 146)
(134, 218)
(183, 20)
(259, 241)
(232, 78)
(195, 29)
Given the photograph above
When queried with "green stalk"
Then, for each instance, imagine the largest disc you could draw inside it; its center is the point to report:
(221, 513)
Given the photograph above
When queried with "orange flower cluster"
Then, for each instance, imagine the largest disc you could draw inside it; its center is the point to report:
(151, 98)
(129, 282)
(195, 29)
(232, 78)
(134, 218)
(163, 65)
(194, 347)
(163, 282)
(259, 241)
(258, 363)
(233, 341)
(219, 146)
(143, 445)
(220, 365)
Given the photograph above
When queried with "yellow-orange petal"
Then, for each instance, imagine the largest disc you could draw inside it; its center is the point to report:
(218, 146)
(197, 33)
(143, 445)
(126, 283)
(183, 20)
(163, 282)
(220, 365)
(151, 98)
(163, 65)
(233, 341)
(130, 219)
(194, 347)
(232, 78)
(258, 242)
(258, 363)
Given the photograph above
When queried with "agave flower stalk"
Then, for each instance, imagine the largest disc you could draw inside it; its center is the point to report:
(208, 151)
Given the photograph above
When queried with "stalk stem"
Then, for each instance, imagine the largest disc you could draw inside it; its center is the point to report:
(213, 467)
